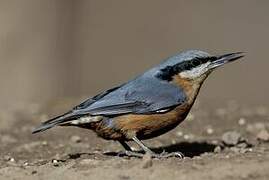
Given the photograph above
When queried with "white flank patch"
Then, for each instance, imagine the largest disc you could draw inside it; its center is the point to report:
(162, 110)
(86, 120)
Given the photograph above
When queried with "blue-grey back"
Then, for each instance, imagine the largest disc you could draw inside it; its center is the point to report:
(144, 94)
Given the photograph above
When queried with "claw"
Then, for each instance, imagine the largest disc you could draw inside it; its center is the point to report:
(167, 155)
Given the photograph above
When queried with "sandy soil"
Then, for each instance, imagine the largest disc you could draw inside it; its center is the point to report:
(219, 142)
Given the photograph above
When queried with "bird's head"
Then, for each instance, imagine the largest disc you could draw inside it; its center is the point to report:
(193, 65)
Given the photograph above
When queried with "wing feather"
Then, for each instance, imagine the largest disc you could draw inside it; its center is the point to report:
(138, 97)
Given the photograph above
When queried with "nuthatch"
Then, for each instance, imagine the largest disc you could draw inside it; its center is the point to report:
(147, 106)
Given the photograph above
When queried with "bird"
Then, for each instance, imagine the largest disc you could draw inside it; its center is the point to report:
(147, 106)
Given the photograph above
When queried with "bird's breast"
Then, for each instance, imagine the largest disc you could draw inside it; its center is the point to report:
(190, 87)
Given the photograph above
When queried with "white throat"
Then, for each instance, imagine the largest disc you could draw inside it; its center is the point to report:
(195, 72)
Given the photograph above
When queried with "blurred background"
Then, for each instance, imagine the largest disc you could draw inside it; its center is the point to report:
(56, 49)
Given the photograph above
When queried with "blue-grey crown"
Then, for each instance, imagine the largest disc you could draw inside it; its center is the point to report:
(184, 56)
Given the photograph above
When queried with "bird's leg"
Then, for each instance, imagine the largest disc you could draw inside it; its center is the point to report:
(125, 146)
(142, 145)
(128, 151)
(155, 155)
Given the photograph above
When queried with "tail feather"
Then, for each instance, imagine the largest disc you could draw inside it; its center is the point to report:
(42, 128)
(69, 116)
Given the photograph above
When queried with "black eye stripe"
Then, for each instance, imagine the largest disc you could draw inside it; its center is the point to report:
(188, 66)
(168, 72)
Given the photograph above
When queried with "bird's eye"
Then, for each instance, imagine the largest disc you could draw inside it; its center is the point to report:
(188, 66)
(196, 62)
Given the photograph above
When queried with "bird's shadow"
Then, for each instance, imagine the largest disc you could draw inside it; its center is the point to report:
(189, 149)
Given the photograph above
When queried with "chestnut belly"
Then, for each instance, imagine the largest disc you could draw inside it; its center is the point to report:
(149, 126)
(151, 132)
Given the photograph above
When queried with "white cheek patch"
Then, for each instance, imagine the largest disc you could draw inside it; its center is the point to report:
(195, 72)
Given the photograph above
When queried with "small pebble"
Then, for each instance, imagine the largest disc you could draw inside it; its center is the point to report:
(55, 162)
(235, 149)
(7, 158)
(197, 157)
(242, 121)
(205, 154)
(231, 138)
(12, 160)
(186, 137)
(209, 131)
(242, 145)
(75, 139)
(215, 142)
(174, 141)
(179, 133)
(217, 149)
(263, 135)
(44, 143)
(245, 150)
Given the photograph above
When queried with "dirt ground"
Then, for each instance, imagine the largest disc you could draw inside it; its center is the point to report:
(228, 141)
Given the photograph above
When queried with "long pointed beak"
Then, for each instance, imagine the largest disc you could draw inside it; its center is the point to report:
(226, 58)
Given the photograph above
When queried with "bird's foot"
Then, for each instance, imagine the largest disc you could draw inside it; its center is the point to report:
(130, 154)
(152, 154)
(167, 155)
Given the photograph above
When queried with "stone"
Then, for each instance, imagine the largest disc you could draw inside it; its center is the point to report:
(209, 131)
(255, 128)
(179, 134)
(217, 149)
(242, 121)
(231, 138)
(263, 135)
(75, 139)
